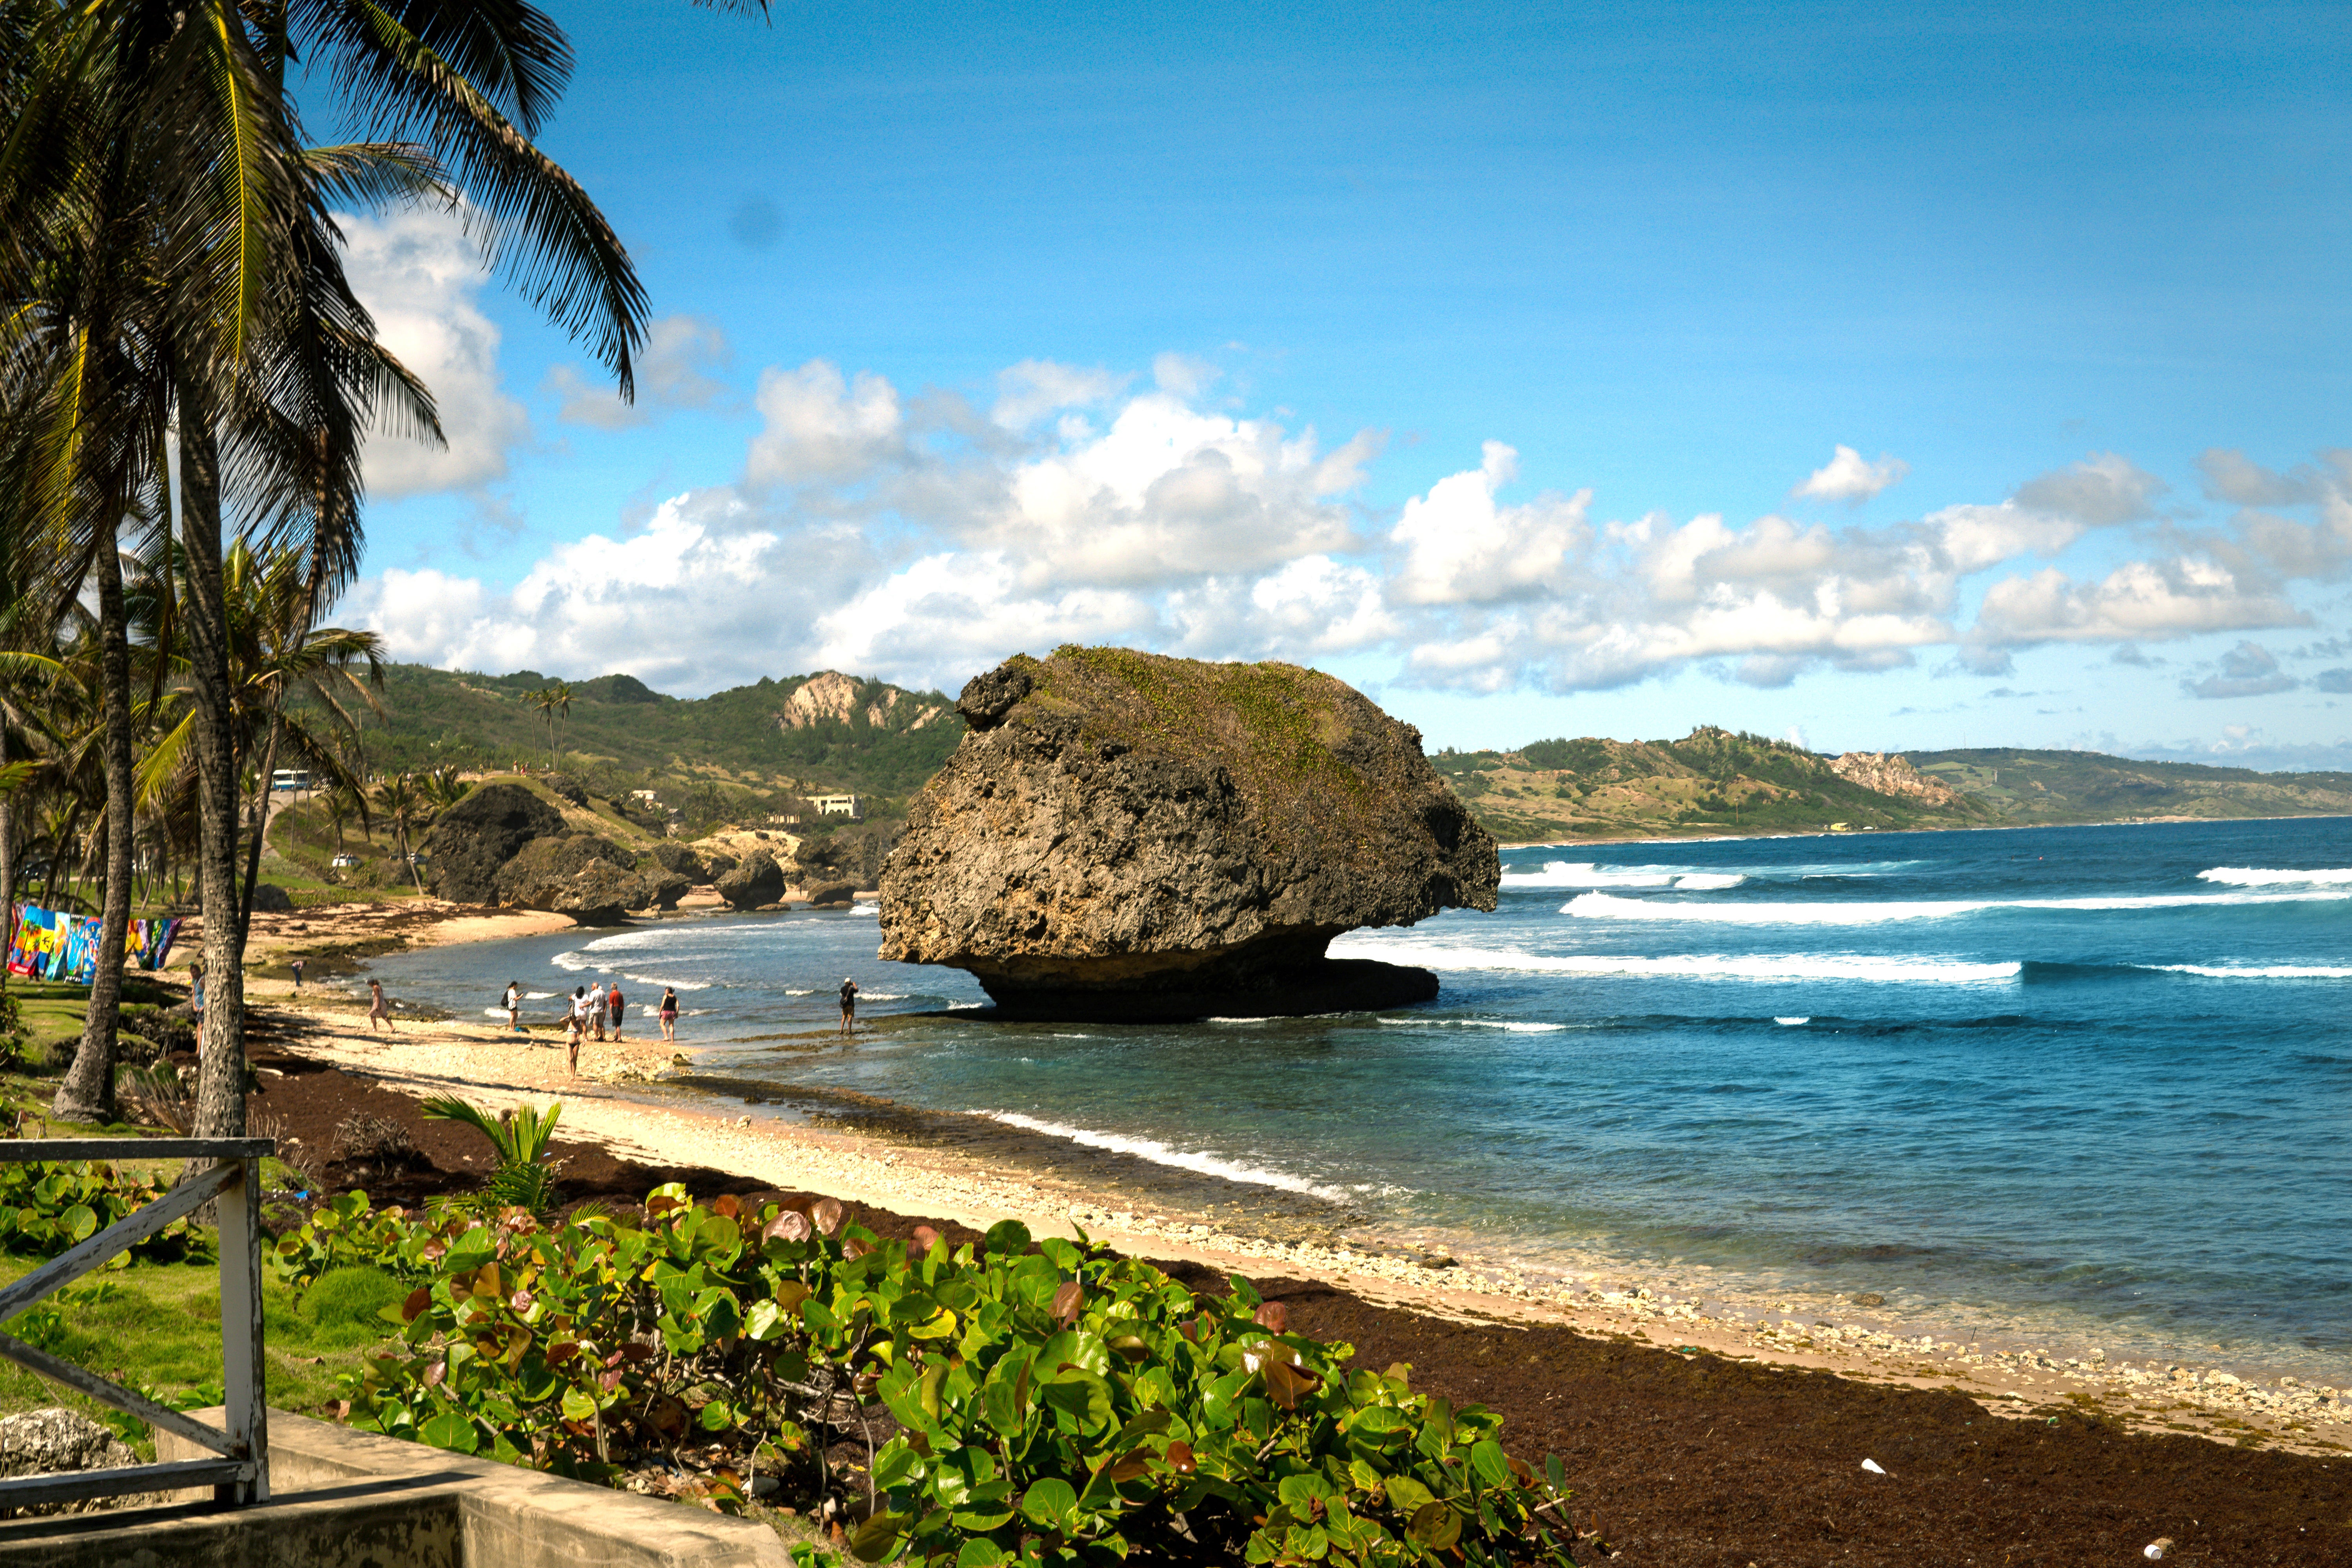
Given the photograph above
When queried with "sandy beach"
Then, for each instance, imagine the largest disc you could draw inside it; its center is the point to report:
(621, 1101)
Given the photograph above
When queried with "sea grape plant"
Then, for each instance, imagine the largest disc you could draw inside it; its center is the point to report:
(47, 1206)
(1046, 1403)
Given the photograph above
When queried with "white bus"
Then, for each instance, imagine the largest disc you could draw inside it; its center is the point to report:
(289, 778)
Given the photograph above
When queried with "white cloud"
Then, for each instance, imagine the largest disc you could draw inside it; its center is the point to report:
(2101, 491)
(2247, 669)
(819, 426)
(1847, 478)
(1460, 547)
(2139, 600)
(1029, 390)
(418, 274)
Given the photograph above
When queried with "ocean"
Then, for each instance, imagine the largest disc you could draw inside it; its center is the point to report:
(2080, 1086)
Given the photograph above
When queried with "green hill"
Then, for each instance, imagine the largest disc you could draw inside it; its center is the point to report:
(1715, 782)
(808, 734)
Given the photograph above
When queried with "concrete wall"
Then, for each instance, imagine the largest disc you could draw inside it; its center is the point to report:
(341, 1499)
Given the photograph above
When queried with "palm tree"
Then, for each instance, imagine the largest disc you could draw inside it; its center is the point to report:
(341, 804)
(152, 142)
(404, 803)
(445, 788)
(551, 701)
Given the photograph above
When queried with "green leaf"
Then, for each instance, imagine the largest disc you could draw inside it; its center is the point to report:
(1435, 1526)
(577, 1405)
(1049, 1503)
(878, 1536)
(1486, 1458)
(1405, 1495)
(452, 1431)
(1007, 1238)
(979, 1552)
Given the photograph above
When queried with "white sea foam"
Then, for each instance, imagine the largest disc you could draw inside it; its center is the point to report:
(1792, 1023)
(673, 984)
(1160, 1153)
(1608, 906)
(2255, 971)
(2260, 876)
(1693, 966)
(1514, 1027)
(792, 991)
(1586, 874)
(1237, 1020)
(574, 960)
(537, 995)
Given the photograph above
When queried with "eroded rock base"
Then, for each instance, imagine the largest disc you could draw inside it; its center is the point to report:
(1322, 986)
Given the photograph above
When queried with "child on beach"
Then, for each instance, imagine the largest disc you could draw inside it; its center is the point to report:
(513, 1005)
(669, 1014)
(612, 1005)
(378, 1008)
(848, 1006)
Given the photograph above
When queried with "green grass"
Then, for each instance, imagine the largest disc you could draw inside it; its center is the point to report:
(157, 1326)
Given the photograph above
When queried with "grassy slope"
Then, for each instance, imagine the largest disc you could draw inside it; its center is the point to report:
(1711, 782)
(434, 715)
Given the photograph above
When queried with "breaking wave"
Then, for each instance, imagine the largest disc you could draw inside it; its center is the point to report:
(1160, 1153)
(2254, 970)
(2258, 876)
(1586, 874)
(1692, 965)
(1607, 906)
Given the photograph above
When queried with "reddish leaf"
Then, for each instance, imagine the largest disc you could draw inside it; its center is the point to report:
(1180, 1458)
(926, 1237)
(635, 1353)
(1286, 1384)
(418, 1300)
(725, 1204)
(1127, 1467)
(436, 1372)
(1273, 1316)
(827, 1216)
(1067, 1300)
(854, 1247)
(790, 1226)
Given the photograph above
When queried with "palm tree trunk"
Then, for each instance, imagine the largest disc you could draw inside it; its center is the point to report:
(260, 832)
(220, 1085)
(87, 1092)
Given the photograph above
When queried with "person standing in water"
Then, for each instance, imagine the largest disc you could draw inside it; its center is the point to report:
(848, 1006)
(378, 1008)
(669, 1014)
(513, 1005)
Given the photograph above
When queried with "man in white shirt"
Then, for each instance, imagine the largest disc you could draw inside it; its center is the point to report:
(596, 1007)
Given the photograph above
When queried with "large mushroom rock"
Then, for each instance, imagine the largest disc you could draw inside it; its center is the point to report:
(751, 881)
(660, 889)
(1125, 837)
(580, 875)
(473, 841)
(678, 860)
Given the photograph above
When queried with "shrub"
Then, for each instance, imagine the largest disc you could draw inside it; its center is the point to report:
(1053, 1406)
(47, 1207)
(375, 1140)
(524, 1176)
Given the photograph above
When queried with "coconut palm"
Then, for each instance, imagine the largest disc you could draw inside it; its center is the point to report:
(551, 703)
(445, 788)
(402, 801)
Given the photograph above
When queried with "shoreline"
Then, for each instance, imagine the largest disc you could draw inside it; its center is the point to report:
(632, 1100)
(1880, 832)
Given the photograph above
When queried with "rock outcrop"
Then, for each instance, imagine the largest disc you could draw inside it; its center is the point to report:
(472, 841)
(579, 874)
(681, 861)
(1125, 837)
(661, 890)
(754, 881)
(1894, 775)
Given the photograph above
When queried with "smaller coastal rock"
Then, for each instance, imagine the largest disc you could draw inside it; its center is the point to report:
(678, 860)
(269, 899)
(661, 890)
(580, 875)
(754, 881)
(832, 894)
(564, 787)
(472, 841)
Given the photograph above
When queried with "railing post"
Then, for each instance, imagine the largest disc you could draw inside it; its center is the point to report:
(242, 1395)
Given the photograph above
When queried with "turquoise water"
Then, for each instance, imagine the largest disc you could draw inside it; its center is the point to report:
(2092, 1082)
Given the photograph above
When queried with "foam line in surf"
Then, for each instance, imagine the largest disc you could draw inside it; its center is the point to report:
(1792, 966)
(1610, 906)
(1512, 1026)
(1586, 874)
(1160, 1153)
(2264, 876)
(2254, 970)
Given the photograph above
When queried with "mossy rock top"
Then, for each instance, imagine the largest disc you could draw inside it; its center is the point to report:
(1124, 813)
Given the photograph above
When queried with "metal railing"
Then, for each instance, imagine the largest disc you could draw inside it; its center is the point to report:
(241, 1475)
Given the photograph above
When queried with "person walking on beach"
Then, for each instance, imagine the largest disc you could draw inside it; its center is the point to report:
(378, 1008)
(197, 1002)
(596, 1007)
(298, 977)
(577, 1021)
(848, 1006)
(669, 1014)
(613, 1002)
(513, 1005)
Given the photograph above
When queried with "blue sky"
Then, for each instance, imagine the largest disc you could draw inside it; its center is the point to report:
(1498, 359)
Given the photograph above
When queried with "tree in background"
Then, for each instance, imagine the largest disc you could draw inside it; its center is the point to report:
(402, 800)
(551, 703)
